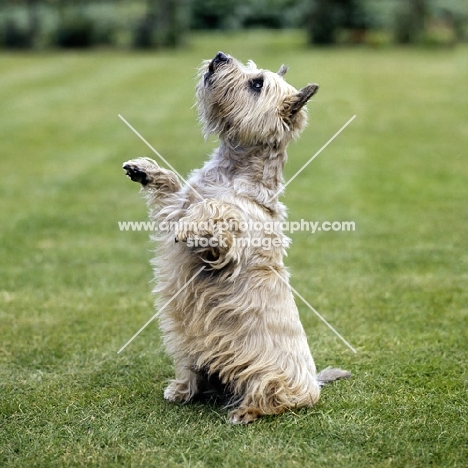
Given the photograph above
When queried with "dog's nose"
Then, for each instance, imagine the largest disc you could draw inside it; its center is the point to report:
(219, 59)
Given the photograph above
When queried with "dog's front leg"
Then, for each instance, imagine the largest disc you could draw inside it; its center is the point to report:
(158, 183)
(211, 228)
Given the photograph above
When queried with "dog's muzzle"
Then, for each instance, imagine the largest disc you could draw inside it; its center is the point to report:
(219, 60)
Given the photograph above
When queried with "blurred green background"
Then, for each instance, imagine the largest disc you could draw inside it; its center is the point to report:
(167, 23)
(74, 288)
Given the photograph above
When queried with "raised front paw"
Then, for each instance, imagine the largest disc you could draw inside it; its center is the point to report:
(141, 170)
(192, 231)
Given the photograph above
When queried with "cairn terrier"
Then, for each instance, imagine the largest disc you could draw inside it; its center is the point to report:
(226, 309)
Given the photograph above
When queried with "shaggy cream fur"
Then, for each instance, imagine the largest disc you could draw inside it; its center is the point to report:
(235, 329)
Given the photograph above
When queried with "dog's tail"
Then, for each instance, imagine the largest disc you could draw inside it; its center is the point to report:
(331, 374)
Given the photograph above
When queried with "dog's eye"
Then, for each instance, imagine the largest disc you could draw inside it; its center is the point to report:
(257, 84)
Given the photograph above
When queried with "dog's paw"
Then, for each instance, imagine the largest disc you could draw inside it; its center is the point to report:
(191, 232)
(141, 170)
(178, 392)
(244, 415)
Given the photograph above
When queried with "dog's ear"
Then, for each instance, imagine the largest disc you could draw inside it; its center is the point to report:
(293, 104)
(283, 69)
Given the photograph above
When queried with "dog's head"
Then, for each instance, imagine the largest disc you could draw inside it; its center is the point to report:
(248, 105)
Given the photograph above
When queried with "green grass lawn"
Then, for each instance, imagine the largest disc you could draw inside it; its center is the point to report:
(74, 289)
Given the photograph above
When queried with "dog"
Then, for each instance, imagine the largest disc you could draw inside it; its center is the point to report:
(225, 307)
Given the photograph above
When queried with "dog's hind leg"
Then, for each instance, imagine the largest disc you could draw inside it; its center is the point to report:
(275, 394)
(244, 415)
(185, 386)
(157, 182)
(274, 401)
